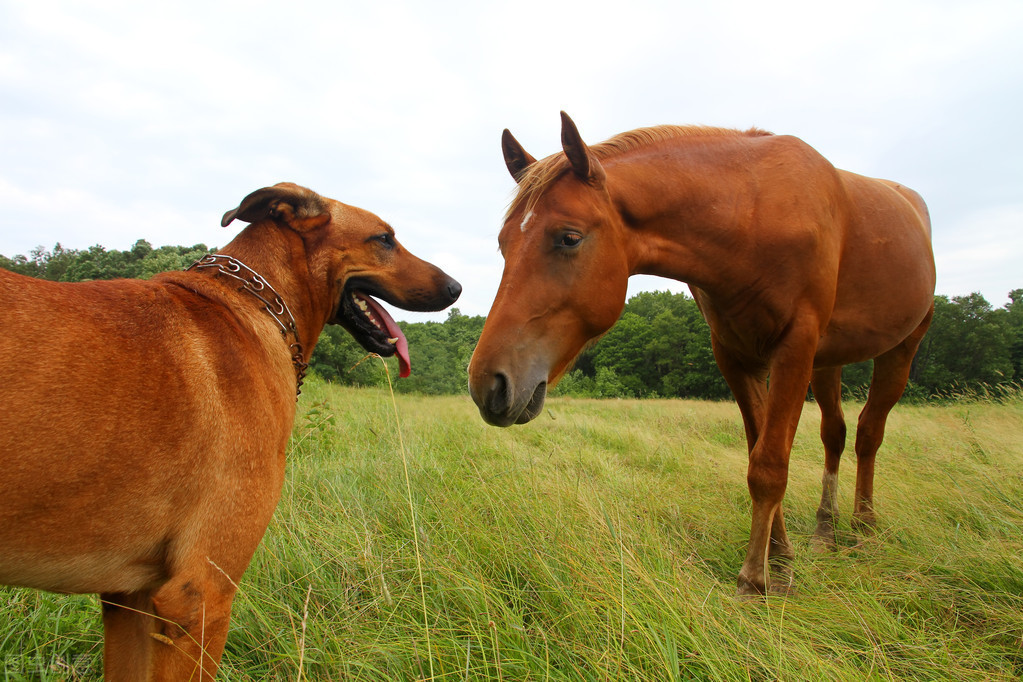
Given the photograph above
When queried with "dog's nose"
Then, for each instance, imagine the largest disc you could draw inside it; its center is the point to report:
(454, 290)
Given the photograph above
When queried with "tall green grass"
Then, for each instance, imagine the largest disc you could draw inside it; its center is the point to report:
(601, 542)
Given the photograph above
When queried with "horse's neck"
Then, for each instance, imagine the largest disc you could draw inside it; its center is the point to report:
(684, 224)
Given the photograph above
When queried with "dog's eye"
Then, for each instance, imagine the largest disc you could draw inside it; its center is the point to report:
(386, 239)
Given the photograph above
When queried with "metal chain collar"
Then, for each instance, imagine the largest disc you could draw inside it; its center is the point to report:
(253, 283)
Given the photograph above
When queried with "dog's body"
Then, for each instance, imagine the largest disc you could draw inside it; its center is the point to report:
(143, 424)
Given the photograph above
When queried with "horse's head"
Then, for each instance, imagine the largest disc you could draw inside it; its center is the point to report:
(564, 282)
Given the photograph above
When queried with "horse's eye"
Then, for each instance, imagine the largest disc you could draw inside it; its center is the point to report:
(570, 240)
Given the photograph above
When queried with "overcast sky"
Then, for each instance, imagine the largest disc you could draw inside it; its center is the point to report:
(142, 120)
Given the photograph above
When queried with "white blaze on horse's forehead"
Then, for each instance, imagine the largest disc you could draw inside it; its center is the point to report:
(525, 220)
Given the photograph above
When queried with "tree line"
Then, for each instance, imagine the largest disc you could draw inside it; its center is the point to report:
(660, 346)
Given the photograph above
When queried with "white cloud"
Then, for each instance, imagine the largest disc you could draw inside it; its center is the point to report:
(126, 120)
(982, 251)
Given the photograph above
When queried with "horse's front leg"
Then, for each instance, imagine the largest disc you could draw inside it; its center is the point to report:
(767, 474)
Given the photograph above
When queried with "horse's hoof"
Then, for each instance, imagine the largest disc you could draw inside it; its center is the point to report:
(748, 591)
(820, 544)
(782, 588)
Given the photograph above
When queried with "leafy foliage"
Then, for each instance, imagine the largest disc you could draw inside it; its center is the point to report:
(968, 344)
(659, 348)
(142, 261)
(440, 353)
(340, 359)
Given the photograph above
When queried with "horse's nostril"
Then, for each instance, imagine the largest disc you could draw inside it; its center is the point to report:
(454, 289)
(498, 399)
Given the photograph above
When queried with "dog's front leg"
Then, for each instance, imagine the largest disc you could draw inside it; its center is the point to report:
(190, 628)
(127, 644)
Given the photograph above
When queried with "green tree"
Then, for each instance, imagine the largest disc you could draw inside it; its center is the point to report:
(1014, 322)
(966, 347)
(339, 358)
(621, 357)
(440, 354)
(42, 264)
(69, 265)
(659, 347)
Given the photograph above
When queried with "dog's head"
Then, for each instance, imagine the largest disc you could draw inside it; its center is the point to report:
(356, 257)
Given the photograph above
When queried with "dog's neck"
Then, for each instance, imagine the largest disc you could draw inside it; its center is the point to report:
(282, 256)
(272, 302)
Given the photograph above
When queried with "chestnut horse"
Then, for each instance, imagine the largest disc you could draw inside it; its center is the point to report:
(799, 268)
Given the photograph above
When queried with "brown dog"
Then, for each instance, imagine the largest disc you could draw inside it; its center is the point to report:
(143, 424)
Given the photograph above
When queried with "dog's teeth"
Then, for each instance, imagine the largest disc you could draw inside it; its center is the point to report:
(362, 305)
(393, 340)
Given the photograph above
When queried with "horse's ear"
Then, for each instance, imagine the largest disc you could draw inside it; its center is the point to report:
(583, 163)
(515, 157)
(297, 207)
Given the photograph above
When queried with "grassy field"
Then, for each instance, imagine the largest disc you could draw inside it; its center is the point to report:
(600, 542)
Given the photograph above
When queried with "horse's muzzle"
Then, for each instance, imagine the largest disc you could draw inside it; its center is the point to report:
(502, 404)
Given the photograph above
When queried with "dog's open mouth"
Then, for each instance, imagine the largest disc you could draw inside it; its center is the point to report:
(373, 327)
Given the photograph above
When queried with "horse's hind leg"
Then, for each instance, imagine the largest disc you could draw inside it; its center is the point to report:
(827, 390)
(891, 372)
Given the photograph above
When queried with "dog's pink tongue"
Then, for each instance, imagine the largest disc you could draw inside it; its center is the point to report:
(394, 331)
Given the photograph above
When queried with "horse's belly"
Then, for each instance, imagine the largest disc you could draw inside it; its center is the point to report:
(856, 338)
(883, 295)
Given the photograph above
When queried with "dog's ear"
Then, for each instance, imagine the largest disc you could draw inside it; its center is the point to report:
(297, 207)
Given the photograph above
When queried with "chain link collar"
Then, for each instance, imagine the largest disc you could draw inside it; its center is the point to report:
(253, 283)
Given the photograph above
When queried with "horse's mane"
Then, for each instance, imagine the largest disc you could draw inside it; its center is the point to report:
(537, 177)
